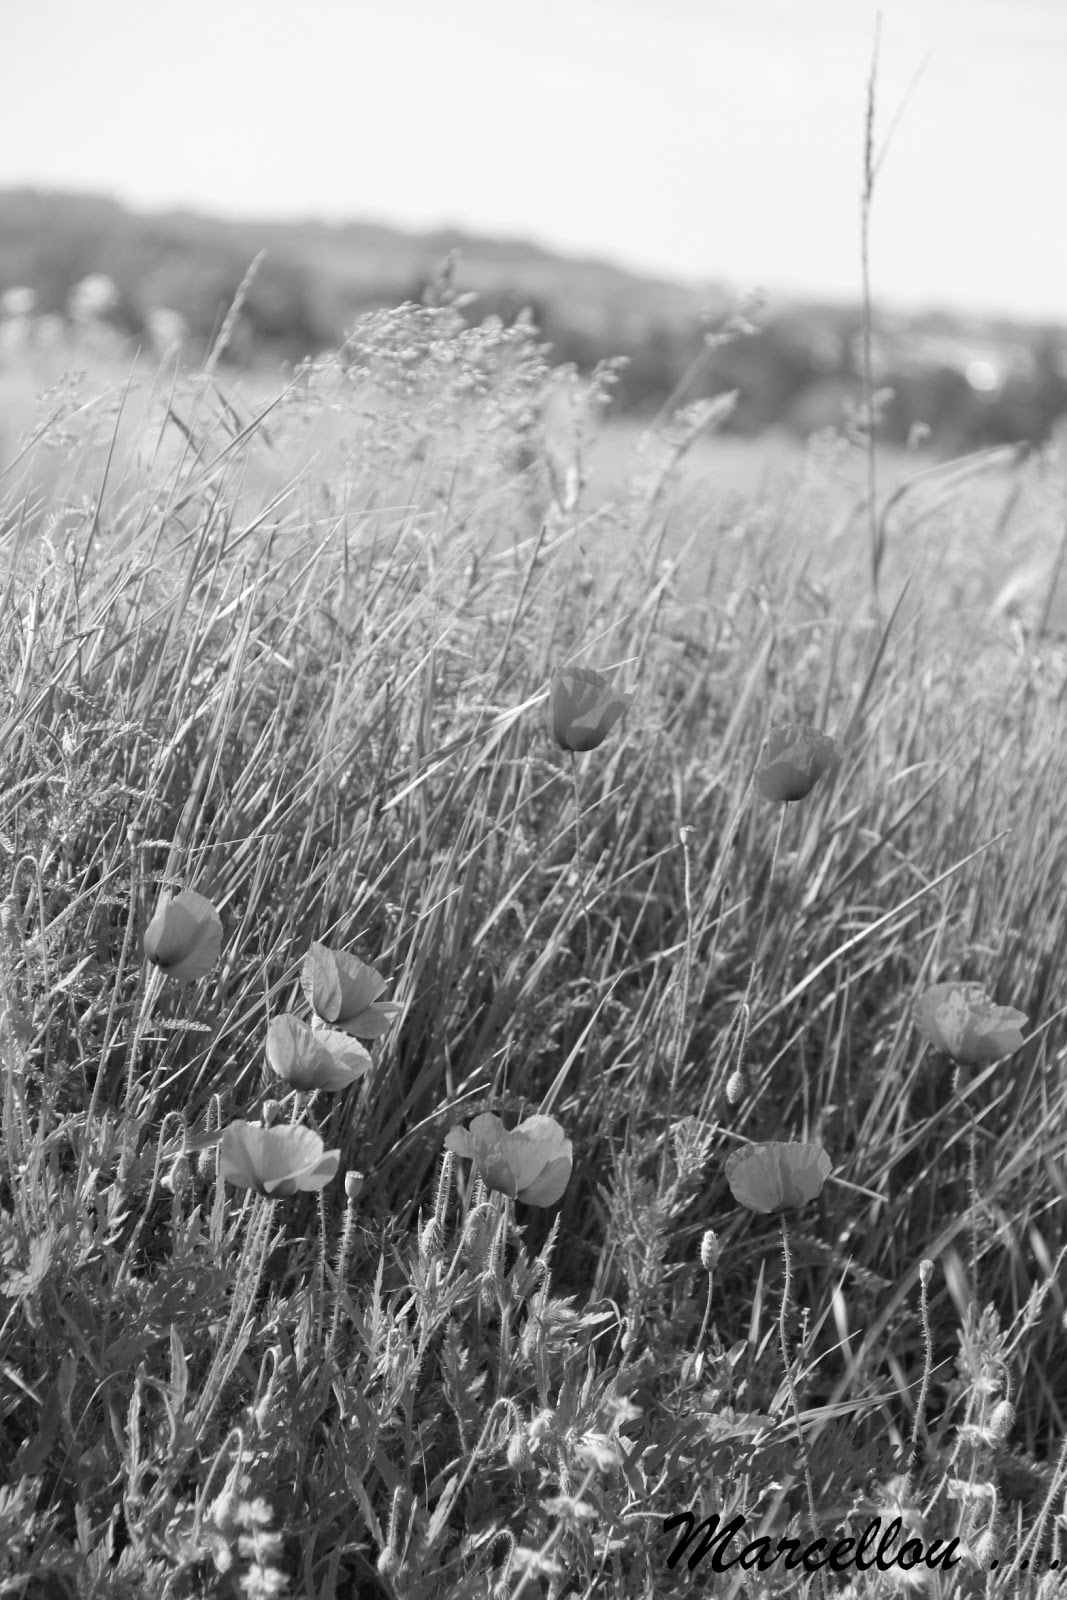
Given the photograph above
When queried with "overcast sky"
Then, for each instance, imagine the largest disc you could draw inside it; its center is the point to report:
(704, 139)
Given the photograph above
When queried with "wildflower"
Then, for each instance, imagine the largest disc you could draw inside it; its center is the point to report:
(531, 1164)
(310, 1060)
(709, 1250)
(583, 707)
(343, 991)
(275, 1161)
(961, 1020)
(797, 757)
(777, 1176)
(184, 937)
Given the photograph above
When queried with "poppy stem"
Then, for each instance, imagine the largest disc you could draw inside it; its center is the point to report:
(683, 1011)
(257, 1243)
(578, 854)
(149, 993)
(786, 1290)
(928, 1367)
(133, 837)
(972, 1184)
(763, 914)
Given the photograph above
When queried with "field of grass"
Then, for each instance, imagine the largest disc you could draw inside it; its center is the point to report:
(291, 647)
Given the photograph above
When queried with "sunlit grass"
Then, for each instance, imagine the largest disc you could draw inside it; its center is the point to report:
(276, 1311)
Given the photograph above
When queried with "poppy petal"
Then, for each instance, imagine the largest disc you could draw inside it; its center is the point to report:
(778, 1175)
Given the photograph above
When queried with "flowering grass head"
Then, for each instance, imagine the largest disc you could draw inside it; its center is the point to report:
(275, 1161)
(343, 991)
(961, 1020)
(797, 757)
(778, 1176)
(583, 707)
(307, 1059)
(184, 938)
(532, 1163)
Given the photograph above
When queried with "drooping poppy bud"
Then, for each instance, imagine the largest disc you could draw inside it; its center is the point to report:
(532, 1163)
(184, 938)
(583, 707)
(343, 991)
(275, 1161)
(306, 1059)
(797, 757)
(777, 1176)
(961, 1020)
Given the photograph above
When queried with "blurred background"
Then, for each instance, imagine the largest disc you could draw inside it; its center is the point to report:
(634, 172)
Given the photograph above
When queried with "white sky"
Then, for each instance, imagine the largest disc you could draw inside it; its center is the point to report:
(705, 139)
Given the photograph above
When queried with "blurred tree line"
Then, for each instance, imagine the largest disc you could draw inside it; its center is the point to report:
(798, 370)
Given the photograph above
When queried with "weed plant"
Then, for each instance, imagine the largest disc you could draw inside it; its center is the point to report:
(324, 959)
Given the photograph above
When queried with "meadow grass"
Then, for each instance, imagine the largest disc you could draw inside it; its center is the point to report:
(309, 682)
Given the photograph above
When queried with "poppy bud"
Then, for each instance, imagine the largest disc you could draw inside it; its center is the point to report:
(709, 1251)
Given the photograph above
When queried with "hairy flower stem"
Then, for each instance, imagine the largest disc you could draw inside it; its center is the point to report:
(786, 1289)
(928, 1367)
(581, 869)
(242, 1303)
(683, 1010)
(743, 1009)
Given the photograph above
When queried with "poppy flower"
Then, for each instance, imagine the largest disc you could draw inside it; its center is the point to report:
(275, 1161)
(532, 1163)
(961, 1020)
(343, 991)
(310, 1060)
(184, 937)
(777, 1176)
(797, 757)
(583, 707)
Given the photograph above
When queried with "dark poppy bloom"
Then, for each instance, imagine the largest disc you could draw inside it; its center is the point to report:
(961, 1020)
(583, 707)
(306, 1059)
(343, 991)
(777, 1176)
(275, 1161)
(532, 1163)
(797, 757)
(184, 937)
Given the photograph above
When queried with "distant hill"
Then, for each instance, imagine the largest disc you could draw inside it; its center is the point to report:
(332, 271)
(972, 381)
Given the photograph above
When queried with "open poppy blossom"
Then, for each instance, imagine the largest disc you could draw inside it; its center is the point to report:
(583, 707)
(797, 757)
(961, 1020)
(310, 1060)
(275, 1161)
(777, 1176)
(184, 938)
(343, 991)
(532, 1163)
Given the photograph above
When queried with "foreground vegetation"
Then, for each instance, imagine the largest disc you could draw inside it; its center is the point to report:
(312, 710)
